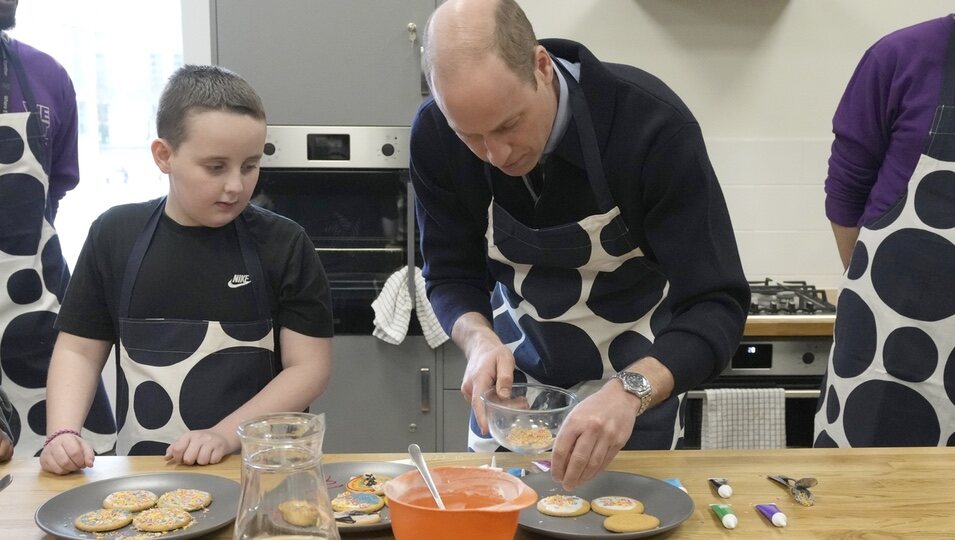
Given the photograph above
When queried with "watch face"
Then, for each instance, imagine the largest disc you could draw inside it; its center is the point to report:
(636, 383)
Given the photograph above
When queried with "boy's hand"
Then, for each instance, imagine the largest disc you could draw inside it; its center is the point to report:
(200, 447)
(65, 454)
(6, 447)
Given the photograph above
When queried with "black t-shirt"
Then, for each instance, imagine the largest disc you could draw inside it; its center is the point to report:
(187, 273)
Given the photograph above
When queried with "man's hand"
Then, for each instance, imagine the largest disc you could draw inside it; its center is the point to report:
(593, 433)
(65, 454)
(200, 447)
(6, 447)
(490, 364)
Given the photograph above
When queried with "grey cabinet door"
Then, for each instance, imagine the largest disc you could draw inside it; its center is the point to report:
(326, 62)
(381, 397)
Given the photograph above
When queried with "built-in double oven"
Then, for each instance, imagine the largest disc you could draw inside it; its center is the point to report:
(349, 188)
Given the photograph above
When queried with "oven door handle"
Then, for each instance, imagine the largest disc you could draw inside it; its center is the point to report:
(790, 394)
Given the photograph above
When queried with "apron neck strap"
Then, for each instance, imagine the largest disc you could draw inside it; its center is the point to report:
(8, 57)
(249, 256)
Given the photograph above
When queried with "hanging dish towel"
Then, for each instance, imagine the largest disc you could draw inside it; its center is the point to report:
(393, 310)
(744, 418)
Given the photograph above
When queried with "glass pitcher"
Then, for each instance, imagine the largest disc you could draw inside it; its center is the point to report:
(284, 496)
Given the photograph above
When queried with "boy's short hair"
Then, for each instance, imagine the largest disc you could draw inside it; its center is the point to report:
(195, 88)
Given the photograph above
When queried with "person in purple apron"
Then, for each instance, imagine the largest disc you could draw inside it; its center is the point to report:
(573, 232)
(219, 310)
(38, 164)
(891, 200)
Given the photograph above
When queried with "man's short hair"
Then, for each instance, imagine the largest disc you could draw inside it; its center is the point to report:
(195, 88)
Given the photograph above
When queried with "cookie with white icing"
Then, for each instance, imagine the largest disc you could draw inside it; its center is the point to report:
(608, 506)
(563, 506)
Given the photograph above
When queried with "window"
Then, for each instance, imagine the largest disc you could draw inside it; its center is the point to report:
(119, 56)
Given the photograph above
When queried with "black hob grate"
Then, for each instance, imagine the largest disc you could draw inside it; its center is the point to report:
(771, 297)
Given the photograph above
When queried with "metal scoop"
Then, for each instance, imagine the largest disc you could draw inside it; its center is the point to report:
(799, 489)
(415, 452)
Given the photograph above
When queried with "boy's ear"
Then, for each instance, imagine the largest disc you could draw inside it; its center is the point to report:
(161, 154)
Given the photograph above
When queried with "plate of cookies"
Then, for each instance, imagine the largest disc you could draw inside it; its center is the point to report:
(357, 493)
(611, 505)
(167, 505)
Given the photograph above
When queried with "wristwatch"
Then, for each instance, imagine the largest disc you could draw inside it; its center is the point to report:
(637, 385)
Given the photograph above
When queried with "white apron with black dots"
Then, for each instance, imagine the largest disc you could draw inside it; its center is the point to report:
(33, 275)
(176, 375)
(891, 376)
(578, 302)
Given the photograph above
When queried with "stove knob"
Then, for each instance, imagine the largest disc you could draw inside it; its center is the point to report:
(810, 307)
(808, 358)
(791, 306)
(773, 307)
(753, 308)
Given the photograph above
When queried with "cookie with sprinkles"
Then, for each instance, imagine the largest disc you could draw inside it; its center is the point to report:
(368, 483)
(102, 520)
(563, 506)
(134, 501)
(186, 499)
(348, 501)
(162, 519)
(608, 506)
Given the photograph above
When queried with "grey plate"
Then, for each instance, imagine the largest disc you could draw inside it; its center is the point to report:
(56, 515)
(338, 474)
(660, 499)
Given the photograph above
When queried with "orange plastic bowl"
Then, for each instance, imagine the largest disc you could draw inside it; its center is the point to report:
(480, 504)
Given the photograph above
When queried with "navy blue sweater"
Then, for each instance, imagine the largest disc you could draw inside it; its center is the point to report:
(659, 175)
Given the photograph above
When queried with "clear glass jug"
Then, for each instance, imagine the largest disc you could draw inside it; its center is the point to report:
(284, 496)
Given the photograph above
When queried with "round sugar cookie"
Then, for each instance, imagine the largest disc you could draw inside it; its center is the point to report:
(631, 522)
(299, 513)
(134, 501)
(186, 499)
(608, 506)
(357, 502)
(104, 519)
(162, 519)
(354, 519)
(368, 483)
(563, 506)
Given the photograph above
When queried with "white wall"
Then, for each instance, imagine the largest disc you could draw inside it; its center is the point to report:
(763, 77)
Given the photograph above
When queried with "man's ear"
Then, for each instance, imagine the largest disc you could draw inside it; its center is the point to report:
(161, 151)
(543, 66)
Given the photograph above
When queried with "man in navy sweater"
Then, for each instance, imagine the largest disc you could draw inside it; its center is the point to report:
(573, 232)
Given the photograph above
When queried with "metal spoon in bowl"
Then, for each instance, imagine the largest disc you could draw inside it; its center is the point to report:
(415, 452)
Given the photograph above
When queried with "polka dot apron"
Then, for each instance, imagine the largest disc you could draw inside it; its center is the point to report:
(176, 375)
(891, 376)
(33, 274)
(577, 302)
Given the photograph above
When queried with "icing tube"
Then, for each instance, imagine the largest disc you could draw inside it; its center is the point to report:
(675, 482)
(773, 514)
(726, 515)
(722, 487)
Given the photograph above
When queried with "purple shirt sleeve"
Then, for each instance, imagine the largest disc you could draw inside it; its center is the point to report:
(56, 103)
(881, 124)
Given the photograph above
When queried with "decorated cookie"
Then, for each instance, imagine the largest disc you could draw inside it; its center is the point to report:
(353, 519)
(608, 506)
(186, 499)
(104, 519)
(368, 482)
(563, 506)
(299, 513)
(631, 522)
(357, 502)
(134, 501)
(140, 536)
(162, 519)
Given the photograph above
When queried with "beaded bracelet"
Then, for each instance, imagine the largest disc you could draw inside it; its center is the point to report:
(59, 432)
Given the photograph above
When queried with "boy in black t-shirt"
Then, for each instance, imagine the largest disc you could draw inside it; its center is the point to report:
(187, 289)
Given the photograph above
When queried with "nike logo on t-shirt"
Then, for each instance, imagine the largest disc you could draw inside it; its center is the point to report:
(239, 280)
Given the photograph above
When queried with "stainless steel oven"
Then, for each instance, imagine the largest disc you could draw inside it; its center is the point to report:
(792, 362)
(349, 188)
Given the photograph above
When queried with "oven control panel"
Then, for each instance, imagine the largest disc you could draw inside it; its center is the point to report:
(780, 357)
(336, 147)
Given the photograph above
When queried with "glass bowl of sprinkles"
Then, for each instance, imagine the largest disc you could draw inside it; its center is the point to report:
(527, 421)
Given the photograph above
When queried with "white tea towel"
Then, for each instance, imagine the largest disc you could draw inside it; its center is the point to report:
(393, 310)
(744, 418)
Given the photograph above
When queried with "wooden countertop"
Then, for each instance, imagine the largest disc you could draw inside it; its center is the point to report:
(862, 493)
(789, 325)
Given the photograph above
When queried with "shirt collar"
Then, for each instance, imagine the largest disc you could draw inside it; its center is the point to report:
(562, 117)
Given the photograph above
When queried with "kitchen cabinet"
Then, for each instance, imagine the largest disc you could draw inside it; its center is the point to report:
(326, 62)
(455, 411)
(381, 397)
